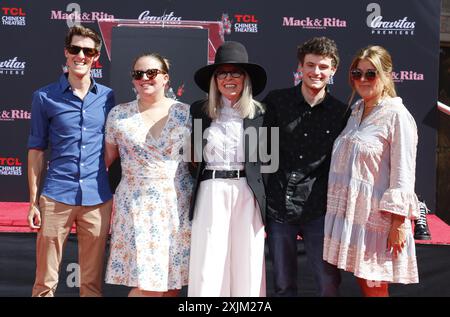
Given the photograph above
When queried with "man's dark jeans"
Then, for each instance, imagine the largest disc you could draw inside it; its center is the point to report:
(282, 241)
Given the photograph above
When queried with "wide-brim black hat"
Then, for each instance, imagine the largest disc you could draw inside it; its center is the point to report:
(236, 54)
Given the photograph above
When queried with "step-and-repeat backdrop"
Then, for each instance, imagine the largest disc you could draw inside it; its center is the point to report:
(32, 42)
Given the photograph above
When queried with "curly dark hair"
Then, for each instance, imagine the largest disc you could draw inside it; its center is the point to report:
(319, 46)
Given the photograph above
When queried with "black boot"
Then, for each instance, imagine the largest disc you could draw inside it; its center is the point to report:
(421, 231)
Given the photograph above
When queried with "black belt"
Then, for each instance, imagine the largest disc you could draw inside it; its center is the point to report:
(208, 174)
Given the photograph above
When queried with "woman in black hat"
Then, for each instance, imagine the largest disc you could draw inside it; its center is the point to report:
(228, 205)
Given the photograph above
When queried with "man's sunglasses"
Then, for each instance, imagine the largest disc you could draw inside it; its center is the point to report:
(357, 74)
(151, 73)
(224, 74)
(87, 51)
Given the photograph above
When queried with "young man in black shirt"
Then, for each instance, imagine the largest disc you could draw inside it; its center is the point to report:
(309, 120)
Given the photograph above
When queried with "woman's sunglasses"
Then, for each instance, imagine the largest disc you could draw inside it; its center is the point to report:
(357, 74)
(151, 73)
(87, 51)
(224, 74)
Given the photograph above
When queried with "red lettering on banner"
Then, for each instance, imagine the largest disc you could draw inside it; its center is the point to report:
(13, 11)
(10, 161)
(97, 64)
(246, 18)
(238, 17)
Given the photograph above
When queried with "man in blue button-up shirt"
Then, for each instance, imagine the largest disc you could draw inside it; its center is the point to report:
(69, 117)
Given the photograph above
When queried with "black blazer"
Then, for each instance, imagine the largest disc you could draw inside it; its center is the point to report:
(252, 169)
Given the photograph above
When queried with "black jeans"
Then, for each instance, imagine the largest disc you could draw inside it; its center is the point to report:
(282, 241)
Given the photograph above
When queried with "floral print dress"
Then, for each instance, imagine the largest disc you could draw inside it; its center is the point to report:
(150, 228)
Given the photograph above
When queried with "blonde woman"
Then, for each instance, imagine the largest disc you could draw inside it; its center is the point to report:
(371, 198)
(228, 205)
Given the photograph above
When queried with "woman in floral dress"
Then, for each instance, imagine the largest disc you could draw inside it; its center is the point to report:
(151, 229)
(371, 198)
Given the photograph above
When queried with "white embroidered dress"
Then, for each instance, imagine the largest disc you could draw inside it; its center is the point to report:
(372, 176)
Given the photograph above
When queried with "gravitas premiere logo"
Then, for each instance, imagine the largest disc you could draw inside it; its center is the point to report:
(13, 16)
(245, 23)
(379, 25)
(12, 67)
(170, 18)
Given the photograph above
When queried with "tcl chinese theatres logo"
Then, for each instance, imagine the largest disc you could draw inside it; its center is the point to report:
(10, 166)
(13, 16)
(241, 23)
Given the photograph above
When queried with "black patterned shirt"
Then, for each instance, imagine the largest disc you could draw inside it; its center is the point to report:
(297, 192)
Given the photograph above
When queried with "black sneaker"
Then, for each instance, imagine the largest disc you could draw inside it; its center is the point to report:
(421, 231)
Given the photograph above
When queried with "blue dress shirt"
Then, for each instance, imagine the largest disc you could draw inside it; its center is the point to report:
(74, 131)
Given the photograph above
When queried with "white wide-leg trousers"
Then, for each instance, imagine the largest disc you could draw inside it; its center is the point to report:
(227, 242)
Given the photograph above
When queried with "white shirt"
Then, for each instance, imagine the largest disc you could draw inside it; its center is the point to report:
(224, 148)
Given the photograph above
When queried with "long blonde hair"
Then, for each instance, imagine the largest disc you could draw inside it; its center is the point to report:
(247, 105)
(382, 61)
